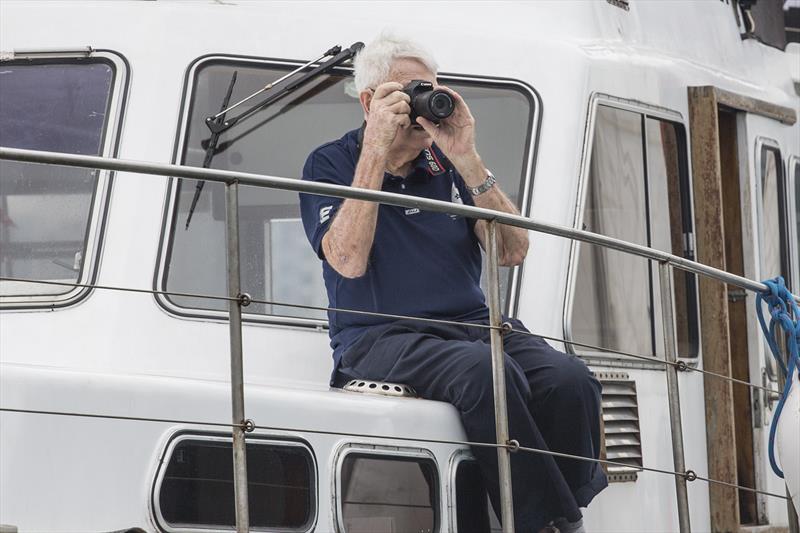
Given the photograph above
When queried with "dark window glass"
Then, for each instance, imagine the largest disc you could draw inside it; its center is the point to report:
(797, 210)
(472, 510)
(197, 488)
(637, 190)
(45, 210)
(277, 262)
(774, 234)
(387, 494)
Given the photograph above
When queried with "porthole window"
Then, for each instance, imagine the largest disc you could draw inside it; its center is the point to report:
(473, 511)
(383, 493)
(195, 486)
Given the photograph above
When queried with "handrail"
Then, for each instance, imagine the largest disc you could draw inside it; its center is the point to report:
(233, 180)
(343, 191)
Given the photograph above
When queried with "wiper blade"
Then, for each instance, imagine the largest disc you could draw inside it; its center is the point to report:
(211, 148)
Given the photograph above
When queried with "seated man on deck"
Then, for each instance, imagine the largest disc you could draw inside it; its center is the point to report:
(389, 259)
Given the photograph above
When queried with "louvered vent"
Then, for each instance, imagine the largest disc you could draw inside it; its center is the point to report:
(623, 442)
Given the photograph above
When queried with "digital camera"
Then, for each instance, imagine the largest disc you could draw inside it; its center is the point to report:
(433, 104)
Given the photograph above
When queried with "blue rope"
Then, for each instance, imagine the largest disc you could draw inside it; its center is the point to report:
(786, 313)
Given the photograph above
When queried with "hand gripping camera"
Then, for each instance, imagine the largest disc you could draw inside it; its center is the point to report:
(434, 105)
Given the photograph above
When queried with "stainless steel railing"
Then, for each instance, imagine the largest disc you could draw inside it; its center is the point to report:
(504, 446)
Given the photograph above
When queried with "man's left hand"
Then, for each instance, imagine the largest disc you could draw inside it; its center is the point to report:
(455, 135)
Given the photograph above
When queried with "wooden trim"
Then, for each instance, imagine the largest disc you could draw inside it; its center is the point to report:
(739, 102)
(714, 317)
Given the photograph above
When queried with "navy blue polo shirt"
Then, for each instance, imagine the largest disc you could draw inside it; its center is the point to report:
(422, 264)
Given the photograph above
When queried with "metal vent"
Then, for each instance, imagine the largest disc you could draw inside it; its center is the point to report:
(379, 387)
(623, 442)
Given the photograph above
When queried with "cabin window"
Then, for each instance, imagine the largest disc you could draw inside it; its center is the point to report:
(774, 227)
(196, 486)
(384, 494)
(637, 190)
(472, 502)
(278, 264)
(49, 215)
(797, 213)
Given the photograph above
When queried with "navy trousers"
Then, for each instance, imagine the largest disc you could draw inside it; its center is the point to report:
(553, 404)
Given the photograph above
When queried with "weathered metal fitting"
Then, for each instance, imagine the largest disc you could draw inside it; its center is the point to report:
(690, 475)
(249, 426)
(245, 299)
(512, 445)
(506, 327)
(681, 365)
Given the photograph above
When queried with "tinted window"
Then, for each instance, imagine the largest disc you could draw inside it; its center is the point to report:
(797, 205)
(46, 211)
(472, 502)
(637, 191)
(774, 239)
(387, 494)
(278, 264)
(197, 487)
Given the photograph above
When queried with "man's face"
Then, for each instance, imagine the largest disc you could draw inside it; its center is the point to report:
(404, 71)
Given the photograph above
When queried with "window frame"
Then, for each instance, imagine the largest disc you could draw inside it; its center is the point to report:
(101, 196)
(273, 440)
(168, 217)
(383, 452)
(463, 455)
(610, 359)
(762, 144)
(793, 175)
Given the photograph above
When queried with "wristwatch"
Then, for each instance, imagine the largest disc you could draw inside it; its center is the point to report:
(485, 186)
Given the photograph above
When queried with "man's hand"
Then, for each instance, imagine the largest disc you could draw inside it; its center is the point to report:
(388, 111)
(455, 135)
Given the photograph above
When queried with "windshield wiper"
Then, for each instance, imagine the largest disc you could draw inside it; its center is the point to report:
(218, 124)
(211, 148)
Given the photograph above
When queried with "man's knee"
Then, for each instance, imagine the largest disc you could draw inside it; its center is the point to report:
(475, 383)
(571, 377)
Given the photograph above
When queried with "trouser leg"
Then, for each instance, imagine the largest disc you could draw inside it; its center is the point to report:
(565, 403)
(442, 364)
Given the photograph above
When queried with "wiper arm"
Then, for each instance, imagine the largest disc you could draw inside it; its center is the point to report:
(211, 148)
(218, 126)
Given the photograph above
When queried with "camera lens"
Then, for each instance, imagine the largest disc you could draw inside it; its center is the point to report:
(441, 104)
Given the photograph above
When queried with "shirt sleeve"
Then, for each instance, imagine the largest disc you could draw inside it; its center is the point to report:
(316, 211)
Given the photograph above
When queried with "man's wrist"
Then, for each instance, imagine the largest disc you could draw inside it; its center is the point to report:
(471, 169)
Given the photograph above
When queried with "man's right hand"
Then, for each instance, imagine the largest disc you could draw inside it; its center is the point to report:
(388, 111)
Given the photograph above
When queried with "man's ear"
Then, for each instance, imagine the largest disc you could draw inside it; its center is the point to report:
(365, 97)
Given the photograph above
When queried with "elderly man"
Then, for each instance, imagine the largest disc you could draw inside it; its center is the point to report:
(389, 259)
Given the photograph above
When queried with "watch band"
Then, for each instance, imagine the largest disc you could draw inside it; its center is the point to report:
(485, 186)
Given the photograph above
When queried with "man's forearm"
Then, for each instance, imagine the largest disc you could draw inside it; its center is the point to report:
(348, 242)
(512, 242)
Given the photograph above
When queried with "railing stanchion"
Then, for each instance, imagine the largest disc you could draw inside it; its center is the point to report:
(499, 379)
(673, 394)
(237, 372)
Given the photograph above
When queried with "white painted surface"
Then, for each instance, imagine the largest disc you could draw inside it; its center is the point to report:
(122, 354)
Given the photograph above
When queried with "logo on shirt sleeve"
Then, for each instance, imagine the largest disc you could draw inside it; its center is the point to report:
(325, 214)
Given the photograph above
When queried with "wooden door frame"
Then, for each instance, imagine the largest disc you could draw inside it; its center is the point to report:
(704, 105)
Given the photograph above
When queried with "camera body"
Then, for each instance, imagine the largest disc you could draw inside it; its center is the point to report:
(433, 104)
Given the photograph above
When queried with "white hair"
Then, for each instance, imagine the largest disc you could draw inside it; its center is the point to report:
(373, 64)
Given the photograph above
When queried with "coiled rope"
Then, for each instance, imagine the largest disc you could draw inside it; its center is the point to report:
(785, 313)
